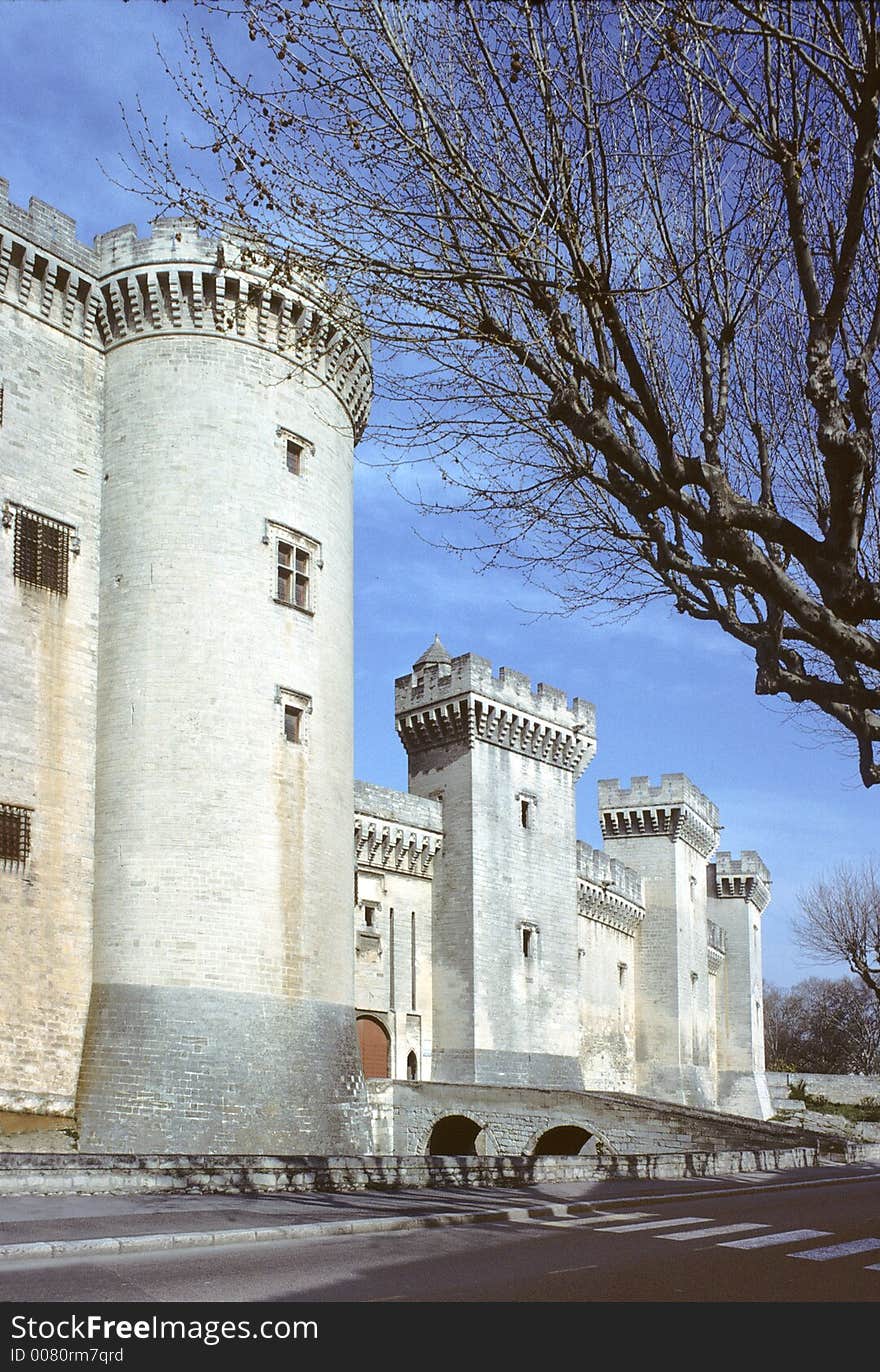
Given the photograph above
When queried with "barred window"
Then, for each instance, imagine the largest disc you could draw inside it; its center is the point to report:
(15, 833)
(42, 548)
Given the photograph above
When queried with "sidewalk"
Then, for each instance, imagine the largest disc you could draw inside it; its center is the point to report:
(40, 1227)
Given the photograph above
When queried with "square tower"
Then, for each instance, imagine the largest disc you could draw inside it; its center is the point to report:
(503, 761)
(667, 833)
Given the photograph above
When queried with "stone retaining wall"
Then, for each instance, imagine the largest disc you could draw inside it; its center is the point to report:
(848, 1089)
(39, 1174)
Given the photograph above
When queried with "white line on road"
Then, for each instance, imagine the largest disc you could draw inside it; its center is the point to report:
(711, 1233)
(570, 1221)
(768, 1240)
(838, 1250)
(654, 1224)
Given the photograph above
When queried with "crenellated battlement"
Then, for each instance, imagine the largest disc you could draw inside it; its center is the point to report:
(177, 281)
(600, 869)
(458, 700)
(44, 226)
(744, 878)
(608, 891)
(469, 674)
(395, 831)
(676, 809)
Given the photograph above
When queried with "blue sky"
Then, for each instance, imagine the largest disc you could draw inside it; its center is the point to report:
(670, 695)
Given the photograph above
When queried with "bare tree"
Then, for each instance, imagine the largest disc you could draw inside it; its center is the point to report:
(822, 1026)
(840, 921)
(621, 262)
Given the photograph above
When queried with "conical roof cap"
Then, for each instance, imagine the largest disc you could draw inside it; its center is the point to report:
(435, 653)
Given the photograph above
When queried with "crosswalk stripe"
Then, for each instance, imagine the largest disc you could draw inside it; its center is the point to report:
(711, 1233)
(566, 1221)
(655, 1224)
(838, 1250)
(577, 1221)
(768, 1240)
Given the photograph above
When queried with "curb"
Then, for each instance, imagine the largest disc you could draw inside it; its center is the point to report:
(155, 1243)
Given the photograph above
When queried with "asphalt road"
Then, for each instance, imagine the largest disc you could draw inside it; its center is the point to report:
(751, 1246)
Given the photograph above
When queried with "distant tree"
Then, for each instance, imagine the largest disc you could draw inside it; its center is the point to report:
(634, 247)
(822, 1026)
(839, 921)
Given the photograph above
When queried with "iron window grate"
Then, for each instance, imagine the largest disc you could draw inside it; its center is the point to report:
(42, 549)
(15, 833)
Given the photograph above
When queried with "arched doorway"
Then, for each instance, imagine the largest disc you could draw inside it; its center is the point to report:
(454, 1136)
(566, 1140)
(375, 1044)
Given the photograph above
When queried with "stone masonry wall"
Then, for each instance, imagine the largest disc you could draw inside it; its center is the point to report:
(50, 463)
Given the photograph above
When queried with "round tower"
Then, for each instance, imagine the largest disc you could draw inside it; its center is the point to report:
(221, 1017)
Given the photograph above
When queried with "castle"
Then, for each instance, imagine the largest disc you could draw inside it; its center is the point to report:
(180, 967)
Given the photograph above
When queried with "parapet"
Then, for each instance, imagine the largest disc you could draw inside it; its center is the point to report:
(469, 674)
(458, 701)
(43, 226)
(607, 891)
(745, 878)
(676, 809)
(395, 831)
(600, 869)
(400, 807)
(175, 281)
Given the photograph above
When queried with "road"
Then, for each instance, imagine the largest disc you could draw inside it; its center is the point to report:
(804, 1243)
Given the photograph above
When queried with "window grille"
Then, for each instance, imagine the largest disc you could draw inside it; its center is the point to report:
(42, 548)
(15, 833)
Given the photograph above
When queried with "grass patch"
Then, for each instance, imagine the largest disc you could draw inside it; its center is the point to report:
(866, 1112)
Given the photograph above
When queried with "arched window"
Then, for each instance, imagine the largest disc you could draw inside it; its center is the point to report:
(412, 1067)
(375, 1043)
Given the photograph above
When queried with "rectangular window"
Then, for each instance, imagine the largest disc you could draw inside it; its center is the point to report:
(295, 711)
(294, 457)
(528, 940)
(42, 548)
(293, 723)
(297, 451)
(15, 833)
(294, 576)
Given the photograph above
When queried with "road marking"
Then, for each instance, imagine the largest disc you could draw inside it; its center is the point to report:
(563, 1271)
(655, 1224)
(838, 1250)
(568, 1221)
(711, 1233)
(768, 1240)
